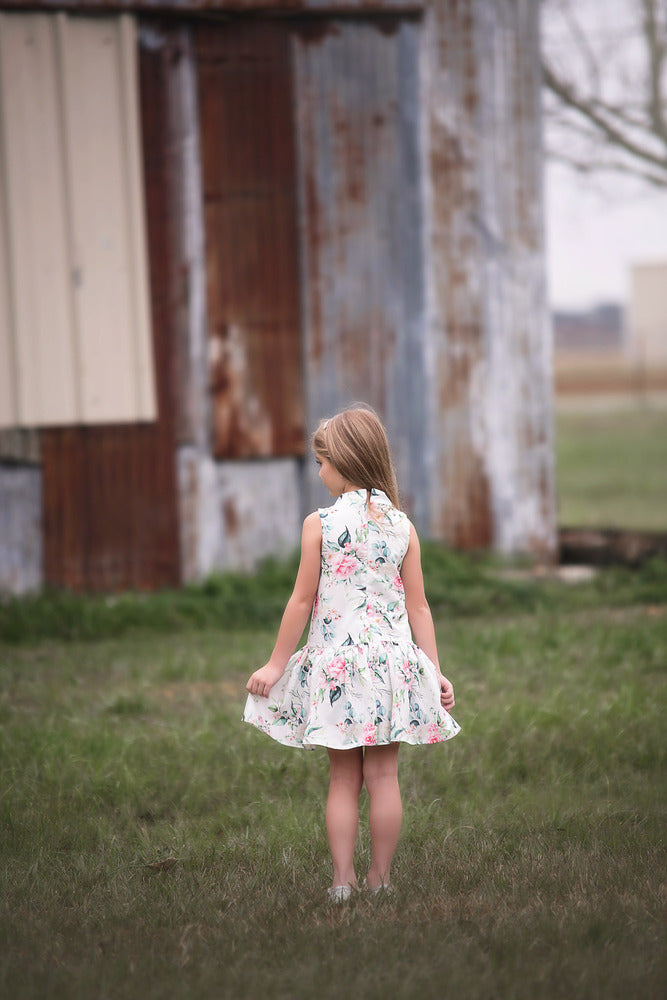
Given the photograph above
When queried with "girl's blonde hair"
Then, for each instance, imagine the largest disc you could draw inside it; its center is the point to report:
(355, 442)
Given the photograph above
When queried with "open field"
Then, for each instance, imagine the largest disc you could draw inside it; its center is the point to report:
(611, 462)
(607, 372)
(154, 847)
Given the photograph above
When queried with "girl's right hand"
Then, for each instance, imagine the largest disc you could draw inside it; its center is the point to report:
(263, 680)
(446, 694)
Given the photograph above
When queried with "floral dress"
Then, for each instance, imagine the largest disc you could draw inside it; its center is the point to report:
(360, 680)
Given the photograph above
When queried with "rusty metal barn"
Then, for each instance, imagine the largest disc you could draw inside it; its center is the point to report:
(220, 221)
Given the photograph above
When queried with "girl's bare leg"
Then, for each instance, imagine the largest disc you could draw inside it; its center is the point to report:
(380, 772)
(346, 780)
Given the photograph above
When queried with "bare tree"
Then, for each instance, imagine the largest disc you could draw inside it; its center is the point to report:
(605, 77)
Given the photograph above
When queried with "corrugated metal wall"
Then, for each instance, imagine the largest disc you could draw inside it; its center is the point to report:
(74, 312)
(20, 528)
(360, 176)
(247, 139)
(491, 419)
(188, 7)
(110, 501)
(421, 282)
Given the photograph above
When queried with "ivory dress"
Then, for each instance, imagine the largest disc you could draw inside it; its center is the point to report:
(360, 680)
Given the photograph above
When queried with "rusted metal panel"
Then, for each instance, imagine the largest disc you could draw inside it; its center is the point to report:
(245, 99)
(360, 175)
(110, 502)
(109, 519)
(20, 529)
(491, 415)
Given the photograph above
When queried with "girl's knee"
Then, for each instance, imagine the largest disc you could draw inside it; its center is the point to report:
(381, 764)
(346, 766)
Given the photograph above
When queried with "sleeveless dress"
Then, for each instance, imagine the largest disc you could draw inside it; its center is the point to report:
(360, 680)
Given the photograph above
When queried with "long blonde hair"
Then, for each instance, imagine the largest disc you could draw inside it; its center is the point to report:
(355, 442)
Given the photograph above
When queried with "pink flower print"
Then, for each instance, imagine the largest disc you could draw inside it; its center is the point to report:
(398, 583)
(369, 736)
(408, 674)
(337, 668)
(345, 566)
(433, 733)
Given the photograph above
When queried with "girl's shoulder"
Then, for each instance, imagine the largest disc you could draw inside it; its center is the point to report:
(312, 528)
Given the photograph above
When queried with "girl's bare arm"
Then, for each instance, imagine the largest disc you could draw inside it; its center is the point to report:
(419, 614)
(297, 610)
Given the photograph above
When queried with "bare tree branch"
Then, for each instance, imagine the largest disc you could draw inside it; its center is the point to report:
(597, 117)
(580, 36)
(586, 88)
(590, 167)
(656, 54)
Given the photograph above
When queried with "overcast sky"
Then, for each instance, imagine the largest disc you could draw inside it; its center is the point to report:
(593, 238)
(597, 227)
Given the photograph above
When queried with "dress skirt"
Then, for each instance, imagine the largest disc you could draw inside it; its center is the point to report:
(368, 694)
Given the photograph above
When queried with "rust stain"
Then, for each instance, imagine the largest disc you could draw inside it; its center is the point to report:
(231, 518)
(313, 236)
(240, 424)
(387, 24)
(349, 128)
(314, 31)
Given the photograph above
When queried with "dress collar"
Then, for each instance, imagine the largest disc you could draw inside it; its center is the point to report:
(355, 495)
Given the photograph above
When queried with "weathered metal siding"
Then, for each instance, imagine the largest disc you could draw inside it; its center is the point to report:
(20, 529)
(259, 502)
(20, 511)
(169, 44)
(226, 519)
(360, 174)
(488, 324)
(186, 7)
(247, 137)
(110, 509)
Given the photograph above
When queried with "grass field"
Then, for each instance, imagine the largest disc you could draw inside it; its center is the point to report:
(612, 465)
(152, 846)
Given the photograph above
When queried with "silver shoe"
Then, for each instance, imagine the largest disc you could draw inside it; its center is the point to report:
(340, 893)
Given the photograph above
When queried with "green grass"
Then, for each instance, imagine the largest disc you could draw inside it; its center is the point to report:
(456, 584)
(612, 468)
(152, 846)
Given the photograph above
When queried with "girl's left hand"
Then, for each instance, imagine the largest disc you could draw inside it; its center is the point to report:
(446, 694)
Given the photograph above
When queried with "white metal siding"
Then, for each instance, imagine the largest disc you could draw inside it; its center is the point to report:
(648, 313)
(75, 346)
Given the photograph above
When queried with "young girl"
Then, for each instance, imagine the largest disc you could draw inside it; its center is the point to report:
(368, 678)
